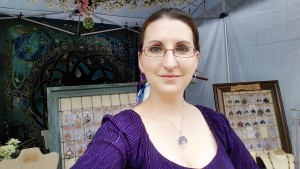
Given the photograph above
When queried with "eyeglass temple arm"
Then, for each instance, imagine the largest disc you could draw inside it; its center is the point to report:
(201, 78)
(196, 75)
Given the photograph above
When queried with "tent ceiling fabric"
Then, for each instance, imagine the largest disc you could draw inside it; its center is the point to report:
(199, 9)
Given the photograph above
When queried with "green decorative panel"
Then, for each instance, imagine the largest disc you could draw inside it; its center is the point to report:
(34, 57)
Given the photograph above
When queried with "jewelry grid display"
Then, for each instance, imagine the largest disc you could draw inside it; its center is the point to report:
(81, 117)
(251, 115)
(255, 112)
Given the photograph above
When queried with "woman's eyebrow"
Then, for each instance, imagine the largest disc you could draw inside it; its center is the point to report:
(185, 42)
(155, 41)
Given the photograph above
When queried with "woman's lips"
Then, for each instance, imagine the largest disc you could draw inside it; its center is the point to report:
(171, 76)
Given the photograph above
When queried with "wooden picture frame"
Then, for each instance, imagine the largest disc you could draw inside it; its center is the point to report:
(259, 105)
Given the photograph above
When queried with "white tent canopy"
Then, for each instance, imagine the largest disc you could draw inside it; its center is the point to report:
(199, 9)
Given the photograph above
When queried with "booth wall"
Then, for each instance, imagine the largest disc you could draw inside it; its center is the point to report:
(263, 44)
(263, 40)
(34, 57)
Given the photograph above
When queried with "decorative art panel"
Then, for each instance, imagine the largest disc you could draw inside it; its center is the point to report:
(34, 57)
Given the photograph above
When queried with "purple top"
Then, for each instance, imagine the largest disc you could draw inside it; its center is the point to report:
(122, 142)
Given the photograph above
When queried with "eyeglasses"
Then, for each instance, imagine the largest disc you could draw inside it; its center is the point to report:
(179, 51)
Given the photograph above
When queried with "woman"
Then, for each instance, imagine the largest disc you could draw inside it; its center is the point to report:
(165, 132)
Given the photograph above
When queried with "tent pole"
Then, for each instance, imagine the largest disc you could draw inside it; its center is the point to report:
(223, 16)
(90, 33)
(116, 24)
(40, 23)
(78, 25)
(226, 49)
(31, 16)
(12, 17)
(30, 20)
(204, 10)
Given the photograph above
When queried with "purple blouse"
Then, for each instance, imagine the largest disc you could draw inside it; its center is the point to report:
(123, 143)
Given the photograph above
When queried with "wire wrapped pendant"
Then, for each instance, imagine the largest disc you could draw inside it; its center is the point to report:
(182, 141)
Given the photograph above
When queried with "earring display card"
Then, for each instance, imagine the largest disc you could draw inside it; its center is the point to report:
(255, 112)
(79, 122)
(80, 114)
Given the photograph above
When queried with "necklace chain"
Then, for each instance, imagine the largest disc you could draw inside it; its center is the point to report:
(288, 159)
(182, 140)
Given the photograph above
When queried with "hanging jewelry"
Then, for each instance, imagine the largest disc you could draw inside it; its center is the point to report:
(68, 136)
(66, 121)
(182, 140)
(69, 154)
(98, 121)
(194, 78)
(244, 101)
(79, 142)
(288, 159)
(79, 137)
(89, 134)
(67, 128)
(260, 112)
(268, 146)
(266, 100)
(69, 143)
(257, 134)
(77, 121)
(80, 151)
(87, 119)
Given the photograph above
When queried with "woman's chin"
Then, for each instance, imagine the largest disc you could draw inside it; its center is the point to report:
(171, 90)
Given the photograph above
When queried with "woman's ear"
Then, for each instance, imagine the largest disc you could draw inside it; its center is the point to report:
(140, 64)
(197, 55)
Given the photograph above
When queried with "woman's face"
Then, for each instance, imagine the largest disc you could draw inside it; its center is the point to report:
(168, 74)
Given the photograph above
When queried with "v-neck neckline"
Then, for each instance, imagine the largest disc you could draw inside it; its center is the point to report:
(172, 162)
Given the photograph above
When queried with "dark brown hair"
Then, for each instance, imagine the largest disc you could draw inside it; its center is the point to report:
(172, 13)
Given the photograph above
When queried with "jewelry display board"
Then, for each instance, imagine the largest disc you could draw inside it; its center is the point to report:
(75, 114)
(255, 112)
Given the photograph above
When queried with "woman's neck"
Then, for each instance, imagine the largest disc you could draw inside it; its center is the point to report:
(167, 104)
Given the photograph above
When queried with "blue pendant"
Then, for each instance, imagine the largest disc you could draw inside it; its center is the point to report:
(182, 141)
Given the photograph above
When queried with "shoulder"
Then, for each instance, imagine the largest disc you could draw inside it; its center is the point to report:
(126, 121)
(235, 149)
(218, 124)
(214, 119)
(125, 116)
(131, 130)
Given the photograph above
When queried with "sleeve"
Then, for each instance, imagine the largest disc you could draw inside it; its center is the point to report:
(108, 148)
(236, 150)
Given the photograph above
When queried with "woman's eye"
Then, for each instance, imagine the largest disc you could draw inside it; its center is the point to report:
(155, 49)
(182, 49)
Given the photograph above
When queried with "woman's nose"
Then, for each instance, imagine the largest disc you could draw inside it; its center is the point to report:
(169, 60)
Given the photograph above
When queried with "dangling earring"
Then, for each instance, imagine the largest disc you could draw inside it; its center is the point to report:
(143, 78)
(194, 78)
(140, 88)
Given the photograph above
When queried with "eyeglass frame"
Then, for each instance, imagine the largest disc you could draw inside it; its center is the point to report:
(165, 51)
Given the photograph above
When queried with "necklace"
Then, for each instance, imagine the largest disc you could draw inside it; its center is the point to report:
(288, 159)
(182, 140)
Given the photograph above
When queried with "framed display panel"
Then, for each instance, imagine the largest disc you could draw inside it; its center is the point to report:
(255, 111)
(75, 114)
